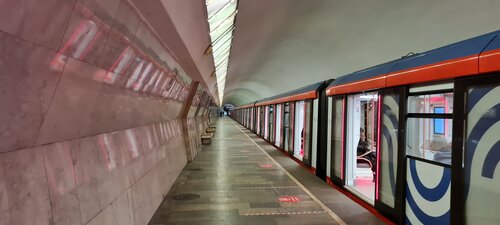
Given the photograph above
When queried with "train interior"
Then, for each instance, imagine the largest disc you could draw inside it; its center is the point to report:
(429, 132)
(361, 148)
(266, 122)
(298, 149)
(277, 140)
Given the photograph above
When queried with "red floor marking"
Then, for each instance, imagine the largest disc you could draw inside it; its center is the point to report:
(268, 165)
(308, 168)
(356, 199)
(360, 202)
(289, 199)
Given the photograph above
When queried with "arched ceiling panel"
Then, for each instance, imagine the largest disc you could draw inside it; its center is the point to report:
(281, 45)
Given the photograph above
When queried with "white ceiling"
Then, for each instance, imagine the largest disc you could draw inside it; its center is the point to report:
(280, 45)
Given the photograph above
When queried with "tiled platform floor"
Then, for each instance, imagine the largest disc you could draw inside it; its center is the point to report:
(238, 183)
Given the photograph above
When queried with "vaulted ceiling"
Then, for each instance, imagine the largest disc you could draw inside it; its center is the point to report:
(280, 45)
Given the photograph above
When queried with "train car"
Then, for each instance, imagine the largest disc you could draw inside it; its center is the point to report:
(417, 137)
(289, 121)
(244, 115)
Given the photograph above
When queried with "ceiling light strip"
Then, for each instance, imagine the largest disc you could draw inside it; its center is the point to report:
(225, 21)
(230, 29)
(219, 10)
(221, 26)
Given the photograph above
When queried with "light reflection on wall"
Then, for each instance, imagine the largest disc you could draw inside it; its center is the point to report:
(132, 69)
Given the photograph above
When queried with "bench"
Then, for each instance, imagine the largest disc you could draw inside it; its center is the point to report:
(210, 130)
(206, 139)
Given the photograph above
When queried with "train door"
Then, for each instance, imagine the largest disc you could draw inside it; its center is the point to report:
(278, 126)
(249, 122)
(240, 113)
(257, 121)
(313, 135)
(337, 115)
(307, 136)
(243, 116)
(478, 164)
(302, 131)
(361, 145)
(246, 117)
(271, 124)
(249, 117)
(288, 127)
(291, 129)
(428, 154)
(252, 119)
(266, 122)
(298, 150)
(262, 121)
(389, 183)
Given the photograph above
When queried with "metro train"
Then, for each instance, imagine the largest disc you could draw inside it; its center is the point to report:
(416, 140)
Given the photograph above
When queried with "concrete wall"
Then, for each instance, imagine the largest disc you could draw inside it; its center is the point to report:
(90, 131)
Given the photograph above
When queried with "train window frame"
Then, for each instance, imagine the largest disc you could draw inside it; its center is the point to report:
(422, 90)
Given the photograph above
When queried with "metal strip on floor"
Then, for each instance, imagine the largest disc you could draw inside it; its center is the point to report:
(283, 213)
(259, 188)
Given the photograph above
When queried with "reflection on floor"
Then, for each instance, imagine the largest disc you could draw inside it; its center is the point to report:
(233, 181)
(237, 183)
(365, 186)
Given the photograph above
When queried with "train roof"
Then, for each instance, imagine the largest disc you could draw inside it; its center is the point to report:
(454, 60)
(303, 93)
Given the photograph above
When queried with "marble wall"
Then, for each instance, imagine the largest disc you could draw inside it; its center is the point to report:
(89, 120)
(79, 68)
(112, 178)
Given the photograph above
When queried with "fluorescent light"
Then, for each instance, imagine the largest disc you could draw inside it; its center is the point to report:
(221, 15)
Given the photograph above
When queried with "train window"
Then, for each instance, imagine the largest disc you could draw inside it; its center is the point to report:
(431, 87)
(428, 103)
(423, 142)
(429, 125)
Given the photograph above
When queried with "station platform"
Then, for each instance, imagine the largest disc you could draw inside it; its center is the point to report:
(240, 179)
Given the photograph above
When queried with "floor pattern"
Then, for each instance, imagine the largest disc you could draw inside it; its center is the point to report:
(238, 182)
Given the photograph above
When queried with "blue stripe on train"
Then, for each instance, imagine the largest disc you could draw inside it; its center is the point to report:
(430, 194)
(483, 124)
(426, 192)
(491, 162)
